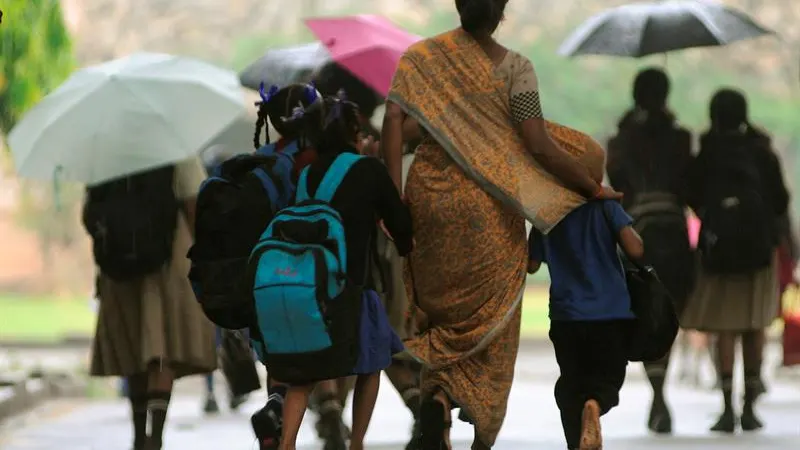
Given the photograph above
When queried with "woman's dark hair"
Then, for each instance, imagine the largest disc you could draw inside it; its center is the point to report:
(330, 124)
(650, 113)
(728, 110)
(278, 106)
(333, 78)
(481, 16)
(651, 89)
(729, 116)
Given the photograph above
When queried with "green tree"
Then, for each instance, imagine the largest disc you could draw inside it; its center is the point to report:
(35, 55)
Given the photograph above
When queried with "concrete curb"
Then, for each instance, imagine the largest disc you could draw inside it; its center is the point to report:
(20, 395)
(77, 342)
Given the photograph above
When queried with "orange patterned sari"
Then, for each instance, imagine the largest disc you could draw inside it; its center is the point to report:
(470, 190)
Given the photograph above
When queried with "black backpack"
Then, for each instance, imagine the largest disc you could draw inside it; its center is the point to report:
(234, 206)
(660, 220)
(132, 222)
(737, 234)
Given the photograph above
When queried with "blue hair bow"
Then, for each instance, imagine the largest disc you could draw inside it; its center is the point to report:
(267, 96)
(311, 93)
(311, 96)
(336, 110)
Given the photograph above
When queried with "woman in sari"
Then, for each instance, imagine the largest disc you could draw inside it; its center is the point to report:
(487, 163)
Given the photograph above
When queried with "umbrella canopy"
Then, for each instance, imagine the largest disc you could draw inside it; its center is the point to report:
(643, 29)
(125, 116)
(368, 46)
(285, 66)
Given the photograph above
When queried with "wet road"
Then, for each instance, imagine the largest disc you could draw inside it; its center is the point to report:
(532, 421)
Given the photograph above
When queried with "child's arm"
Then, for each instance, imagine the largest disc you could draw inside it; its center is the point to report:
(628, 238)
(631, 243)
(535, 251)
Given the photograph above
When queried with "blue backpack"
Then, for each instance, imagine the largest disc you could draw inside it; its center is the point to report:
(234, 206)
(306, 307)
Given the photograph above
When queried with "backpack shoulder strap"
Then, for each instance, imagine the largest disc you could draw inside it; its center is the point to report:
(335, 175)
(291, 149)
(266, 150)
(302, 187)
(269, 187)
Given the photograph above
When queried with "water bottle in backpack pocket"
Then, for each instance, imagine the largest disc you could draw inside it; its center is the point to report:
(307, 308)
(234, 206)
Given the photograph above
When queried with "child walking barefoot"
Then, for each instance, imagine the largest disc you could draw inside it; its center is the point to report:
(589, 308)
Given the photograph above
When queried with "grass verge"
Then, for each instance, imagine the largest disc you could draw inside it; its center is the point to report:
(43, 319)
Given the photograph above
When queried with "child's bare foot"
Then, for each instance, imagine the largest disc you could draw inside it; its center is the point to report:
(591, 436)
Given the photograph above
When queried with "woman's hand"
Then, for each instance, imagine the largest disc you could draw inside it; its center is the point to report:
(608, 193)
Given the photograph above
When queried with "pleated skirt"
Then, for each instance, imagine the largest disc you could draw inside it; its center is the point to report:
(733, 303)
(153, 320)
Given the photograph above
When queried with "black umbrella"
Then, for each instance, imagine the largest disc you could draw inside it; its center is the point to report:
(643, 29)
(285, 66)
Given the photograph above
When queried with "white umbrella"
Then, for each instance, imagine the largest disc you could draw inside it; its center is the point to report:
(125, 116)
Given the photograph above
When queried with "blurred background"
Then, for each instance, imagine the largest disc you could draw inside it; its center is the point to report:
(45, 264)
(46, 267)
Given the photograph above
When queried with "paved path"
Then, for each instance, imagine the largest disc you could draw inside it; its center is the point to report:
(532, 421)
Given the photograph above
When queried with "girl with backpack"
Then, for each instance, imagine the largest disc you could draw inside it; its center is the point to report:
(738, 192)
(364, 195)
(649, 160)
(150, 328)
(387, 266)
(274, 108)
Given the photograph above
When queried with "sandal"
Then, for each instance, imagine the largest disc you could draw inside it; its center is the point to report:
(433, 425)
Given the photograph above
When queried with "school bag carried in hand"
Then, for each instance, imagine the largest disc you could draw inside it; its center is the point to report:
(132, 222)
(234, 206)
(237, 363)
(655, 327)
(307, 308)
(737, 235)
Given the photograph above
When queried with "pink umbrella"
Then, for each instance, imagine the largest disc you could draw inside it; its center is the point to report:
(369, 46)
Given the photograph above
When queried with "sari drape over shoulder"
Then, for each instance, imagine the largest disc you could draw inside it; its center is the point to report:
(450, 86)
(470, 188)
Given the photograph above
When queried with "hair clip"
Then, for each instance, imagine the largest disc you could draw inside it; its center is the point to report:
(311, 93)
(297, 113)
(266, 97)
(335, 112)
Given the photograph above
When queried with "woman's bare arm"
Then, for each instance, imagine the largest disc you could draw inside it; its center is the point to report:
(555, 160)
(392, 142)
(411, 130)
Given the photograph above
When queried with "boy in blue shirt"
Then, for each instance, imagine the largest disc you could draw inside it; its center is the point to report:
(589, 308)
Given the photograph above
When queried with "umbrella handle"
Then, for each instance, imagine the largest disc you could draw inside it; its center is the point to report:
(57, 187)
